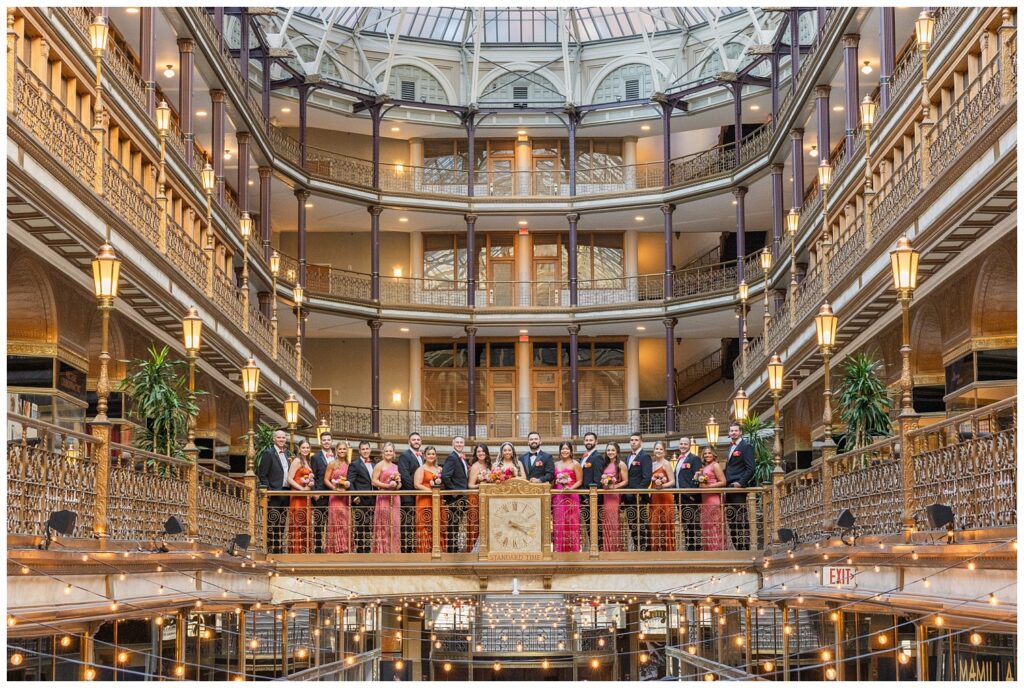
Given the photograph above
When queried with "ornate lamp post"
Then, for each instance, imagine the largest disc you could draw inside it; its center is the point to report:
(250, 385)
(766, 267)
(711, 430)
(825, 325)
(904, 276)
(275, 269)
(98, 31)
(192, 333)
(163, 126)
(209, 180)
(744, 291)
(291, 416)
(868, 112)
(106, 270)
(245, 229)
(322, 427)
(298, 294)
(776, 379)
(924, 31)
(740, 405)
(825, 181)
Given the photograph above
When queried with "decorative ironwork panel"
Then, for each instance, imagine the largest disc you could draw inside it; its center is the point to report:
(145, 490)
(127, 75)
(226, 296)
(185, 253)
(344, 169)
(130, 200)
(260, 329)
(905, 74)
(801, 505)
(896, 194)
(965, 118)
(869, 482)
(223, 505)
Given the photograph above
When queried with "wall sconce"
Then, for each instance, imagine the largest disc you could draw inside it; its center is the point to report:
(396, 397)
(398, 272)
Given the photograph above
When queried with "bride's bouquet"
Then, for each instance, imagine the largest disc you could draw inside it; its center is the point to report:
(563, 481)
(500, 475)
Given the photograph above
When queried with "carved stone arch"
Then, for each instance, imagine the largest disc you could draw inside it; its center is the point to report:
(956, 298)
(994, 306)
(926, 340)
(206, 419)
(31, 306)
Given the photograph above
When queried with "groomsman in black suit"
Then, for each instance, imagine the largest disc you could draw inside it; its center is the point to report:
(739, 471)
(538, 464)
(638, 470)
(408, 463)
(273, 475)
(455, 476)
(319, 463)
(593, 462)
(359, 472)
(687, 468)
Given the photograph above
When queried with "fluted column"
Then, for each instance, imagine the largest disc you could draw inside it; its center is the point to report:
(851, 81)
(670, 375)
(887, 54)
(265, 210)
(375, 211)
(778, 210)
(666, 210)
(821, 100)
(185, 74)
(794, 46)
(375, 326)
(471, 374)
(301, 195)
(471, 259)
(573, 219)
(740, 193)
(147, 56)
(796, 138)
(217, 115)
(574, 381)
(242, 186)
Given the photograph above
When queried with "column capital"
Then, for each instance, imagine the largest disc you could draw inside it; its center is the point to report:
(264, 172)
(574, 329)
(186, 45)
(217, 95)
(470, 218)
(670, 323)
(778, 168)
(796, 133)
(375, 210)
(822, 91)
(667, 208)
(375, 325)
(471, 331)
(572, 217)
(302, 194)
(242, 137)
(850, 40)
(739, 192)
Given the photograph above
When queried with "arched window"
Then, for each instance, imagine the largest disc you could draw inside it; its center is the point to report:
(521, 89)
(628, 82)
(409, 82)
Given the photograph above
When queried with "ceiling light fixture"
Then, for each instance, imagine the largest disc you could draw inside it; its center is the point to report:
(403, 219)
(169, 72)
(521, 132)
(131, 10)
(286, 110)
(201, 113)
(639, 218)
(396, 128)
(524, 331)
(641, 328)
(838, 108)
(227, 154)
(866, 69)
(309, 205)
(523, 223)
(645, 127)
(755, 108)
(813, 152)
(403, 329)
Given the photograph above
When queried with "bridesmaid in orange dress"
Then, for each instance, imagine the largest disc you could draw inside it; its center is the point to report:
(300, 477)
(428, 476)
(663, 538)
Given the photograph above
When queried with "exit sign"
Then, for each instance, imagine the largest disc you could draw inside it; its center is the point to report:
(838, 576)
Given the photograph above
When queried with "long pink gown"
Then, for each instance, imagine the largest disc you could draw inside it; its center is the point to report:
(611, 537)
(387, 519)
(339, 521)
(711, 525)
(566, 515)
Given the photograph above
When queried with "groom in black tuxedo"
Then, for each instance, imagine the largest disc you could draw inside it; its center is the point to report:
(359, 472)
(638, 470)
(739, 471)
(538, 464)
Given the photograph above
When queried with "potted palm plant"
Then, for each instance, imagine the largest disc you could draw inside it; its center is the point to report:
(863, 402)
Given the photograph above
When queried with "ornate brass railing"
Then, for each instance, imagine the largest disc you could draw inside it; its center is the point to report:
(261, 330)
(130, 200)
(127, 75)
(896, 193)
(970, 113)
(801, 504)
(145, 490)
(227, 296)
(222, 507)
(906, 73)
(186, 254)
(869, 482)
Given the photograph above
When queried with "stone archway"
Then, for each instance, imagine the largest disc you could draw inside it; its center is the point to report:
(31, 306)
(994, 307)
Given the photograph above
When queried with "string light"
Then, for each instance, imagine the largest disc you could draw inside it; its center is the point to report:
(903, 657)
(16, 659)
(976, 638)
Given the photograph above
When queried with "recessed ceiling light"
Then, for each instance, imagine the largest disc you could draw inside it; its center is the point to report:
(403, 219)
(169, 71)
(866, 69)
(131, 10)
(403, 329)
(309, 205)
(639, 218)
(641, 328)
(524, 331)
(286, 110)
(837, 108)
(645, 127)
(755, 108)
(200, 113)
(523, 223)
(521, 132)
(396, 128)
(735, 202)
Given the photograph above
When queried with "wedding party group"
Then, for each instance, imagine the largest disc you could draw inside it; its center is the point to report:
(647, 501)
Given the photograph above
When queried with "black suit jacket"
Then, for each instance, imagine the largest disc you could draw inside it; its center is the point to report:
(545, 473)
(739, 466)
(407, 467)
(319, 465)
(271, 475)
(593, 466)
(639, 473)
(687, 469)
(359, 479)
(454, 476)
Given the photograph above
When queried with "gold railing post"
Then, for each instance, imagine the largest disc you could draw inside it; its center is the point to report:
(101, 458)
(266, 518)
(435, 523)
(284, 640)
(192, 517)
(1007, 34)
(776, 505)
(785, 641)
(828, 455)
(12, 68)
(317, 625)
(242, 644)
(907, 424)
(752, 518)
(253, 494)
(592, 499)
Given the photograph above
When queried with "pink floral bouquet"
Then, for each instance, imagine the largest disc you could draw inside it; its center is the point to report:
(658, 481)
(500, 475)
(702, 479)
(607, 481)
(563, 481)
(307, 481)
(395, 482)
(436, 482)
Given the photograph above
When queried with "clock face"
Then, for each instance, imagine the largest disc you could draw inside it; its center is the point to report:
(513, 526)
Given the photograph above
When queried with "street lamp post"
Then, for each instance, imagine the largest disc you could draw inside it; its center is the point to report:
(825, 181)
(291, 416)
(322, 427)
(250, 385)
(298, 294)
(192, 332)
(711, 430)
(744, 291)
(825, 325)
(106, 271)
(924, 32)
(98, 32)
(766, 267)
(792, 225)
(776, 380)
(740, 406)
(904, 274)
(163, 126)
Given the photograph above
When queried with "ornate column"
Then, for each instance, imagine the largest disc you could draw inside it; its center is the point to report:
(794, 47)
(375, 326)
(740, 192)
(574, 382)
(147, 56)
(471, 260)
(266, 88)
(666, 210)
(774, 61)
(821, 97)
(778, 211)
(185, 73)
(217, 152)
(301, 195)
(796, 137)
(670, 375)
(666, 143)
(851, 82)
(243, 48)
(737, 119)
(573, 219)
(303, 114)
(242, 186)
(887, 54)
(265, 211)
(471, 375)
(375, 211)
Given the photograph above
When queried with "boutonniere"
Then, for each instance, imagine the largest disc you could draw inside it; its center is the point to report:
(539, 463)
(586, 465)
(736, 453)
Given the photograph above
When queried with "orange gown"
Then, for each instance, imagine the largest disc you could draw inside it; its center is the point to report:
(424, 515)
(299, 513)
(662, 522)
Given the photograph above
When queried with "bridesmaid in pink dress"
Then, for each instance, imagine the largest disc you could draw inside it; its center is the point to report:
(339, 522)
(566, 507)
(387, 516)
(612, 478)
(711, 522)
